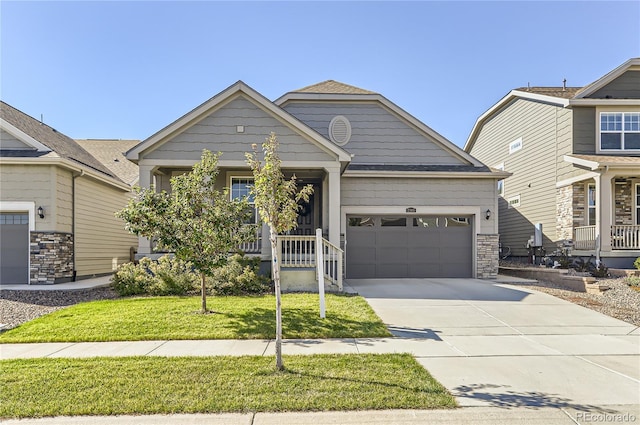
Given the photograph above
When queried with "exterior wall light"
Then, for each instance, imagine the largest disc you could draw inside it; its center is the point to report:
(487, 214)
(41, 212)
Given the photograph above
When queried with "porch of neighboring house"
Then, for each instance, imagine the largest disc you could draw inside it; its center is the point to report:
(301, 262)
(605, 219)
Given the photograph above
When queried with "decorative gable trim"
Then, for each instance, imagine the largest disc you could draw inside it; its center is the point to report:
(608, 78)
(219, 100)
(23, 137)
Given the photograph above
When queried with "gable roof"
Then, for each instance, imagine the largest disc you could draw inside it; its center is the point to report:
(333, 93)
(561, 96)
(47, 140)
(207, 107)
(606, 79)
(332, 86)
(111, 154)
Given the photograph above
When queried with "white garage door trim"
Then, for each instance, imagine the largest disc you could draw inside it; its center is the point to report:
(22, 207)
(474, 211)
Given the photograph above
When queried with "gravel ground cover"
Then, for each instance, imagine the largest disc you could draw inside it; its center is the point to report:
(621, 301)
(17, 307)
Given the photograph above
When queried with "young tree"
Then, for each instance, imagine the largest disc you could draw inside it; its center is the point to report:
(277, 200)
(196, 221)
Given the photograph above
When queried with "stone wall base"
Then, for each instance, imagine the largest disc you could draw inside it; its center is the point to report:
(51, 257)
(487, 256)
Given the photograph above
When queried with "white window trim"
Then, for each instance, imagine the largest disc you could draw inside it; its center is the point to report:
(514, 201)
(588, 207)
(636, 205)
(515, 146)
(501, 182)
(231, 178)
(622, 132)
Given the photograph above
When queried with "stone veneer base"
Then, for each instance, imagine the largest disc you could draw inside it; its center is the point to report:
(51, 257)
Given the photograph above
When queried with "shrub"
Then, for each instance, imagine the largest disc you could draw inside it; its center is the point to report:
(633, 281)
(636, 263)
(240, 276)
(600, 271)
(167, 276)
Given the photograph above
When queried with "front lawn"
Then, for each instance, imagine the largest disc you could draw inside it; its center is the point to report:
(147, 385)
(174, 318)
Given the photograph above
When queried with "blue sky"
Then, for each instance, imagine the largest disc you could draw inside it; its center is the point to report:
(126, 69)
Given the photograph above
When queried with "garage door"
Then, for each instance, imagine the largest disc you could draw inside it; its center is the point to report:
(409, 246)
(14, 248)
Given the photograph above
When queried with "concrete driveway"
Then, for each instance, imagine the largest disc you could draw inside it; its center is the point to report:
(500, 345)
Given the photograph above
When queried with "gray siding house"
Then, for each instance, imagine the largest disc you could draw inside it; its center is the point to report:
(574, 153)
(57, 205)
(392, 197)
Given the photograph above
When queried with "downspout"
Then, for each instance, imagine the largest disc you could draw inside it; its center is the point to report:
(74, 176)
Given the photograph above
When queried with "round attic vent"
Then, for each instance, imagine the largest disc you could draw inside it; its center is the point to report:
(340, 130)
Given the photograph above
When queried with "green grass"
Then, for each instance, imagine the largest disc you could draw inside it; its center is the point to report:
(147, 385)
(175, 318)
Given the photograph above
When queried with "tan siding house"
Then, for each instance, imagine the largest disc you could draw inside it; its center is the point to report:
(57, 205)
(392, 198)
(576, 167)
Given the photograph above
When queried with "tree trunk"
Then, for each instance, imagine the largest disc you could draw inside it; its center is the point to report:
(204, 293)
(276, 281)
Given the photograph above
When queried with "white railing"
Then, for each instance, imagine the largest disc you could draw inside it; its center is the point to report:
(625, 237)
(256, 245)
(299, 251)
(584, 238)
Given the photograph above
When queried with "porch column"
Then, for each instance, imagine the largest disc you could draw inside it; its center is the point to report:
(334, 204)
(604, 210)
(146, 178)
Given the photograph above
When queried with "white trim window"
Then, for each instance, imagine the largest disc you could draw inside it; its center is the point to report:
(241, 188)
(591, 205)
(500, 185)
(637, 202)
(515, 146)
(514, 201)
(619, 131)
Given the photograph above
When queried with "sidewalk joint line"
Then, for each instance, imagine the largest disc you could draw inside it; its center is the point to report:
(633, 330)
(155, 348)
(608, 369)
(264, 352)
(570, 417)
(61, 349)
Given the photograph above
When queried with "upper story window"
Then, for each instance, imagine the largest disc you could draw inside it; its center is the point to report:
(620, 131)
(500, 182)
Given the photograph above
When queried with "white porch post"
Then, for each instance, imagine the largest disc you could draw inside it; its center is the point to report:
(334, 205)
(604, 212)
(146, 178)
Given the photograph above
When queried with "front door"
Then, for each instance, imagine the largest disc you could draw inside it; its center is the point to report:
(306, 222)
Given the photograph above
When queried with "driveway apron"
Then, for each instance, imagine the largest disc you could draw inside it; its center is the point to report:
(504, 346)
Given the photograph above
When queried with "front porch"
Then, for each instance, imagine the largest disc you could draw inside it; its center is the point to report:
(605, 216)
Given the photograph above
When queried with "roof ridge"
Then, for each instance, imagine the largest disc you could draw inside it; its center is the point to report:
(333, 87)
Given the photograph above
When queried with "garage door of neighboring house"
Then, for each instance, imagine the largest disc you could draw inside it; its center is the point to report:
(397, 246)
(14, 248)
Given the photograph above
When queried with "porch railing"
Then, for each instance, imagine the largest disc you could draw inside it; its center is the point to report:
(622, 237)
(254, 247)
(299, 251)
(625, 237)
(584, 237)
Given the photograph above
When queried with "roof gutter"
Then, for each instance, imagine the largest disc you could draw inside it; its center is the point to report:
(427, 174)
(63, 162)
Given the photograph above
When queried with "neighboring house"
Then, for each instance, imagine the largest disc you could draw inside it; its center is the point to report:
(575, 158)
(57, 205)
(400, 199)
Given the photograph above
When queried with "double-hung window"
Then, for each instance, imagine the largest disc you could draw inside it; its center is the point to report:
(591, 204)
(619, 131)
(241, 188)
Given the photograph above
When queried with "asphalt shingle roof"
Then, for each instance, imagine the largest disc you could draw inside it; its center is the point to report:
(62, 145)
(333, 87)
(565, 93)
(111, 153)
